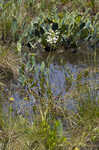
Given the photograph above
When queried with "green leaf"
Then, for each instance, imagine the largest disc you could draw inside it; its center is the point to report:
(14, 25)
(84, 33)
(42, 67)
(78, 19)
(60, 128)
(88, 24)
(19, 46)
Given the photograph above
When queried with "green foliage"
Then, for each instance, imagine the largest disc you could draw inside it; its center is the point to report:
(8, 21)
(46, 136)
(33, 75)
(36, 22)
(57, 29)
(51, 30)
(44, 133)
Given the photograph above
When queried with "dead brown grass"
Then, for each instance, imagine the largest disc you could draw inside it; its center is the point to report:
(9, 62)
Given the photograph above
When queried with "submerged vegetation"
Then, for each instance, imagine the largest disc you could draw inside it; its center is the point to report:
(29, 28)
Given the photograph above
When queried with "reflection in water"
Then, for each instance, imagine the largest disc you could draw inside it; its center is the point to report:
(57, 80)
(61, 66)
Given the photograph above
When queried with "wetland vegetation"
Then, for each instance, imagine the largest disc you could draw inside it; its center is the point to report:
(49, 75)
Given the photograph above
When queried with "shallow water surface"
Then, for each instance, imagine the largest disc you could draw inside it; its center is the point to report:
(61, 66)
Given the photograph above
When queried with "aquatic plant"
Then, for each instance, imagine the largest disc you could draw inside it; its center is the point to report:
(53, 127)
(45, 132)
(51, 30)
(61, 29)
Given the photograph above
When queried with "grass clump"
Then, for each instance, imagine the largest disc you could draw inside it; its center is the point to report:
(53, 126)
(85, 128)
(43, 133)
(51, 131)
(9, 63)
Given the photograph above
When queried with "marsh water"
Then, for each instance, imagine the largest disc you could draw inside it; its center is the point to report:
(62, 66)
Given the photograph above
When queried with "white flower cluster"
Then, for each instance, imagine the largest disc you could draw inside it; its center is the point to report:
(52, 37)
